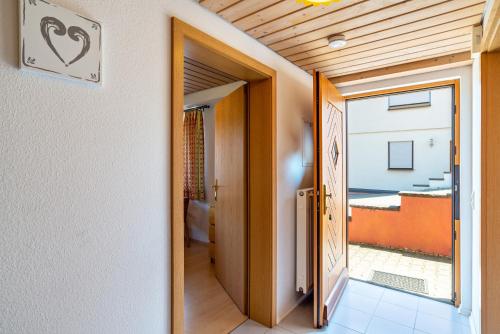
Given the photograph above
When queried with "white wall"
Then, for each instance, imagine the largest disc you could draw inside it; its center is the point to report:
(371, 126)
(465, 75)
(84, 175)
(212, 95)
(476, 188)
(294, 106)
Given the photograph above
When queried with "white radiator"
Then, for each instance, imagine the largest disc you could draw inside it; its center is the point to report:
(304, 240)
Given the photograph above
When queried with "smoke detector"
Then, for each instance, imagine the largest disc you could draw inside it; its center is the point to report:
(337, 41)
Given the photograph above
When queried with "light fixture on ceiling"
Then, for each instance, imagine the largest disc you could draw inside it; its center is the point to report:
(337, 41)
(317, 2)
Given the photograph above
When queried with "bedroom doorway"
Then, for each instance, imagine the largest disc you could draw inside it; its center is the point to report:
(215, 199)
(246, 255)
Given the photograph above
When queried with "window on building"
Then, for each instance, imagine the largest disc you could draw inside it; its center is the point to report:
(401, 154)
(410, 100)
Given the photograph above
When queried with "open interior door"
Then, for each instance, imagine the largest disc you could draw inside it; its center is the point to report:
(230, 193)
(330, 243)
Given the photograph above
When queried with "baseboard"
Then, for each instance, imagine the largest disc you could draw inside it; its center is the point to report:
(465, 311)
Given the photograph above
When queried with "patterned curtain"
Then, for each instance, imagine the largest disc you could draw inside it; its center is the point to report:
(194, 150)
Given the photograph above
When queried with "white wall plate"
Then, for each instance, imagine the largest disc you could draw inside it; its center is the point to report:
(59, 42)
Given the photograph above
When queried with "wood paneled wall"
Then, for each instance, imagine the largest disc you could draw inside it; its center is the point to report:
(379, 33)
(199, 76)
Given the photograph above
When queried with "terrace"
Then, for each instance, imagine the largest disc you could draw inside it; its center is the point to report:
(402, 241)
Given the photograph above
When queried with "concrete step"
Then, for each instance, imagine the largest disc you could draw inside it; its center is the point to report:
(447, 178)
(421, 187)
(441, 182)
(436, 183)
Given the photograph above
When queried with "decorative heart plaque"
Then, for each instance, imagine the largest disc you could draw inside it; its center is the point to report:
(59, 42)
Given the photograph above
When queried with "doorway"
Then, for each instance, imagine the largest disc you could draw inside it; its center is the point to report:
(261, 170)
(215, 192)
(403, 189)
(334, 268)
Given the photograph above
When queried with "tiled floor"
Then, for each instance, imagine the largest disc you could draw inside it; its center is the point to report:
(436, 271)
(365, 308)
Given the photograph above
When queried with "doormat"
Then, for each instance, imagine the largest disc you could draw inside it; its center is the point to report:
(400, 282)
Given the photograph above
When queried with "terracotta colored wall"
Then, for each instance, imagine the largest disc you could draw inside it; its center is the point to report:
(423, 224)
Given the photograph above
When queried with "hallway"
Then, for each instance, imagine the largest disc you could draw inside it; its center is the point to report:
(366, 308)
(208, 308)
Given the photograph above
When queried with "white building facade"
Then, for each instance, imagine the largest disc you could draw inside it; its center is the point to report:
(400, 142)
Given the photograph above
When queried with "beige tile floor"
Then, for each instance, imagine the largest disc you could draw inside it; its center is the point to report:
(436, 270)
(366, 308)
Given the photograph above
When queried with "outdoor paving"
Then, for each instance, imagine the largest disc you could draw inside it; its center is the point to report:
(363, 260)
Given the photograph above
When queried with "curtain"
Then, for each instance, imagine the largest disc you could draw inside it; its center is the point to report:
(194, 150)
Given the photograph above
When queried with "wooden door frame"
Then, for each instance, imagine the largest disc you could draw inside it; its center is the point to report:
(261, 176)
(490, 176)
(455, 84)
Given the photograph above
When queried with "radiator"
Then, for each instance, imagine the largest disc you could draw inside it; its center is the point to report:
(304, 251)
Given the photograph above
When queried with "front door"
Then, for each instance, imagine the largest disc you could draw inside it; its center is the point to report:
(231, 196)
(330, 243)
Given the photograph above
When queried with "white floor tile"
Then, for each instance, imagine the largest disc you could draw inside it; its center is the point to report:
(300, 320)
(250, 327)
(365, 289)
(395, 313)
(435, 325)
(383, 326)
(400, 298)
(359, 302)
(416, 331)
(338, 329)
(278, 330)
(441, 310)
(366, 308)
(351, 318)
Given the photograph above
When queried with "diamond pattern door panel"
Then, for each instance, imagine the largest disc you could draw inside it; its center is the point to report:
(330, 186)
(332, 180)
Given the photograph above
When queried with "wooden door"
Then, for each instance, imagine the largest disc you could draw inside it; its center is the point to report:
(330, 243)
(231, 196)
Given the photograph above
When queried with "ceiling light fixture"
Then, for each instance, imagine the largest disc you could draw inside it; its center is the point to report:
(317, 2)
(337, 41)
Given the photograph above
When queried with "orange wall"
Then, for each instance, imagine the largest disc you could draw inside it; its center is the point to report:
(423, 224)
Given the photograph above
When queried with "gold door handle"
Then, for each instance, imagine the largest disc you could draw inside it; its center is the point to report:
(325, 195)
(215, 188)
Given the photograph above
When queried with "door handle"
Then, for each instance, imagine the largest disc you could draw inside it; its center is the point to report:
(325, 195)
(215, 188)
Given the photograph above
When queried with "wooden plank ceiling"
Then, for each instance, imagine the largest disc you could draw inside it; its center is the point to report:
(379, 33)
(198, 76)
